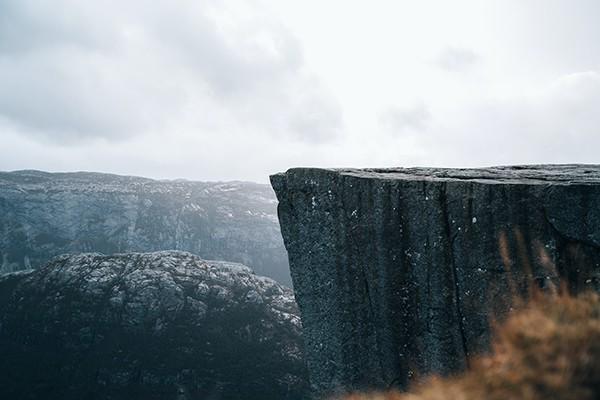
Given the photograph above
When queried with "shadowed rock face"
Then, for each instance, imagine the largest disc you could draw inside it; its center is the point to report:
(43, 215)
(164, 325)
(397, 272)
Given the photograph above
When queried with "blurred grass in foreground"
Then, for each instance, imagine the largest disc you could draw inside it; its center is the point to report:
(547, 348)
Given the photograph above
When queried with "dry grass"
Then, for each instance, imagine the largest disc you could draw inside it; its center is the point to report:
(548, 349)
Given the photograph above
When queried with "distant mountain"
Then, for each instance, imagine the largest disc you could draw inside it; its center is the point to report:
(46, 214)
(164, 325)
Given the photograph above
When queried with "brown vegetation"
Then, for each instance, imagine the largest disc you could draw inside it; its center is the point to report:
(549, 348)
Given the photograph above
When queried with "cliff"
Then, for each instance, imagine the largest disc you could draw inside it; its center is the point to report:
(164, 325)
(43, 215)
(397, 272)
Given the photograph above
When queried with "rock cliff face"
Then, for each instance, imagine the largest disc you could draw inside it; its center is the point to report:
(397, 272)
(164, 325)
(43, 215)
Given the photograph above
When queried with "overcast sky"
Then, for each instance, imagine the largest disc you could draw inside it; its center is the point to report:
(224, 90)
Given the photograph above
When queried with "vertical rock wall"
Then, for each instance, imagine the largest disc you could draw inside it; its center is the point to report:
(397, 272)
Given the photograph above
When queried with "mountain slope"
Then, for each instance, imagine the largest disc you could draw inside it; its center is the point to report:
(165, 325)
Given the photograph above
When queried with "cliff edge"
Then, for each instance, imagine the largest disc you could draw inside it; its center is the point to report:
(397, 272)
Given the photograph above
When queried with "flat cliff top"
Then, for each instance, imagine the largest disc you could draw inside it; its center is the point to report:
(523, 174)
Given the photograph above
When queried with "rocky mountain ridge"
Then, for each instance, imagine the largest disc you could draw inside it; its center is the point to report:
(46, 214)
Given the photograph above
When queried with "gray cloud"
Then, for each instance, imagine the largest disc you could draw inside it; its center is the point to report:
(27, 26)
(90, 71)
(455, 59)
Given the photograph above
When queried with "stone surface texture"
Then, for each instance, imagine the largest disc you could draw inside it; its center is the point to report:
(397, 272)
(165, 325)
(43, 215)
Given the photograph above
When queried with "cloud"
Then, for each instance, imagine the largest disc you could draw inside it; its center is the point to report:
(237, 89)
(558, 124)
(398, 120)
(455, 59)
(73, 71)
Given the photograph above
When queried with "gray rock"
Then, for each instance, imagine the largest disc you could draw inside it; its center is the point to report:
(43, 215)
(397, 272)
(165, 325)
